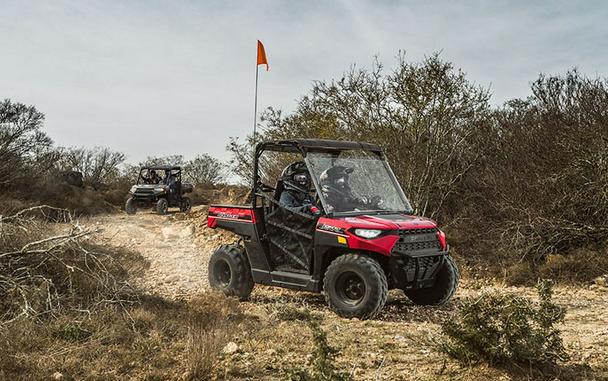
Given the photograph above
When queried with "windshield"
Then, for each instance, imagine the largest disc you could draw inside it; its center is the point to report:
(356, 181)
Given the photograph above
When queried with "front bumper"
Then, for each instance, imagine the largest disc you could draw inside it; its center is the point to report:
(147, 194)
(414, 272)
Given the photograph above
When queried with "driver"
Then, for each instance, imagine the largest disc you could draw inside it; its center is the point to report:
(154, 177)
(336, 190)
(296, 181)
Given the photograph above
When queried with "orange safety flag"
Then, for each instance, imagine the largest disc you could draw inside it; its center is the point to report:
(262, 55)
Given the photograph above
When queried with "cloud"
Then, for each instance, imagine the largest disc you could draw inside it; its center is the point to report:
(160, 77)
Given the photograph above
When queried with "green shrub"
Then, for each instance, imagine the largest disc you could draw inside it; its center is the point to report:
(321, 364)
(506, 328)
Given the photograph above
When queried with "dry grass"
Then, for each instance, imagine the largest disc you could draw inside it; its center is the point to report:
(579, 268)
(67, 306)
(155, 340)
(210, 320)
(275, 341)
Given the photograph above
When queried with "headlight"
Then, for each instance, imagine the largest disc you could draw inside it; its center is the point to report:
(159, 190)
(367, 233)
(133, 189)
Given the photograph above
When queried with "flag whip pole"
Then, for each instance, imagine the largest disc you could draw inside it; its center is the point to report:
(255, 107)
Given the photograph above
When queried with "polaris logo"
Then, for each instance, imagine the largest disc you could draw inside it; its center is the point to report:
(228, 215)
(329, 228)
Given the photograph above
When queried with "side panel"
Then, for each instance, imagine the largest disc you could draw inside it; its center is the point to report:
(243, 222)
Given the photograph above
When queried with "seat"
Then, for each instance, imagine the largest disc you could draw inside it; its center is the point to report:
(280, 187)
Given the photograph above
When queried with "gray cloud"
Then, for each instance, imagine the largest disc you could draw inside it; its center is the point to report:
(161, 77)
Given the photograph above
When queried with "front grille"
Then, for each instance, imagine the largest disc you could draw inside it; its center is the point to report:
(423, 262)
(416, 246)
(403, 233)
(417, 242)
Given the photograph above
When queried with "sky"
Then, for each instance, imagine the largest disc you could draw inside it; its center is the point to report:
(177, 77)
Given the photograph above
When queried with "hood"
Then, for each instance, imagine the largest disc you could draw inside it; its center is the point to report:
(389, 222)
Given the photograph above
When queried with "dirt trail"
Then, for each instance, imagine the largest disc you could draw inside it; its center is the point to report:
(177, 250)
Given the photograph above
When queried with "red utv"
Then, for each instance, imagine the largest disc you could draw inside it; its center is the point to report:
(354, 252)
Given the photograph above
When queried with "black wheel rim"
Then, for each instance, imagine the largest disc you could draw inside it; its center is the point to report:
(222, 273)
(350, 287)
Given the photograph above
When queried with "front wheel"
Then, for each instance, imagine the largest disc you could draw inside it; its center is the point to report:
(130, 206)
(446, 282)
(185, 205)
(162, 206)
(229, 271)
(355, 286)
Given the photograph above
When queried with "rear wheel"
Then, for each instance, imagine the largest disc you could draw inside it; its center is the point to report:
(185, 205)
(444, 288)
(130, 207)
(162, 206)
(229, 271)
(355, 286)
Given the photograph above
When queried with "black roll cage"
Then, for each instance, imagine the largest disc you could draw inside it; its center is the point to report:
(170, 168)
(303, 146)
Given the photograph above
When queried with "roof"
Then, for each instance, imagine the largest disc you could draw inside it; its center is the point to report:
(299, 145)
(162, 167)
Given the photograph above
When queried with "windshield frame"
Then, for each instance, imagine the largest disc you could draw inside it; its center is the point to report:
(381, 157)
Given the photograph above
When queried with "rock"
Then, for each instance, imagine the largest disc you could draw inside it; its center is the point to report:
(399, 338)
(230, 348)
(601, 280)
(57, 376)
(172, 278)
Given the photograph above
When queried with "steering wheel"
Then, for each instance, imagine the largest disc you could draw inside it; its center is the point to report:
(265, 188)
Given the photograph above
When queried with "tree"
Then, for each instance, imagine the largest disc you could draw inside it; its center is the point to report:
(163, 160)
(205, 170)
(546, 174)
(98, 165)
(425, 115)
(25, 150)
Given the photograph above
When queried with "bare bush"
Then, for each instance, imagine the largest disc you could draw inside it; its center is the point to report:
(543, 188)
(44, 268)
(98, 165)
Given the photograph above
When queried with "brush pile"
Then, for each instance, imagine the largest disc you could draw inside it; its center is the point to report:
(47, 263)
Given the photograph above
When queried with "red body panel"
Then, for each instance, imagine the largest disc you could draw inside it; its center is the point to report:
(229, 213)
(383, 244)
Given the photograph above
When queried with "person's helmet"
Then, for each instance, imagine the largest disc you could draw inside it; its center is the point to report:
(296, 177)
(335, 180)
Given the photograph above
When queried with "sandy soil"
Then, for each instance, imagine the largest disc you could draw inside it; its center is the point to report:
(172, 244)
(397, 345)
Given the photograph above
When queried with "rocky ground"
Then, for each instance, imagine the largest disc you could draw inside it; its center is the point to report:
(397, 345)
